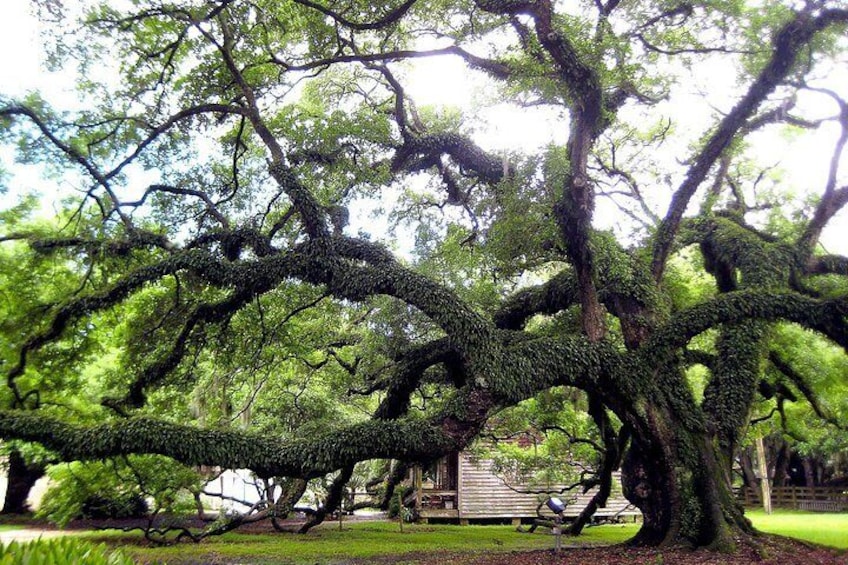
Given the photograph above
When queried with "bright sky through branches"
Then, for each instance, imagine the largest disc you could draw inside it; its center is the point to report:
(445, 81)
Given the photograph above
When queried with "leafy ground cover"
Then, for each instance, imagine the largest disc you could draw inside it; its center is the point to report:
(61, 551)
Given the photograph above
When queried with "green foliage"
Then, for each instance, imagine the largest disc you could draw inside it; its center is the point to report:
(204, 295)
(820, 368)
(60, 551)
(542, 442)
(118, 489)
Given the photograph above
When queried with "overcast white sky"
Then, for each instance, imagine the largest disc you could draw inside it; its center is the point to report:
(22, 69)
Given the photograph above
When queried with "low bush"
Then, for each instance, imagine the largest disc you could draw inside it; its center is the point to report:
(60, 551)
(125, 505)
(124, 488)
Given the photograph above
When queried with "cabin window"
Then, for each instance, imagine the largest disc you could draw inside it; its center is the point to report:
(442, 474)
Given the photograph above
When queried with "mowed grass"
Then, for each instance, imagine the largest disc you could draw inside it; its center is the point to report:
(363, 540)
(377, 540)
(818, 527)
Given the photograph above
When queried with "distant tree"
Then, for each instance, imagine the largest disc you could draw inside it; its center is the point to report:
(270, 125)
(803, 385)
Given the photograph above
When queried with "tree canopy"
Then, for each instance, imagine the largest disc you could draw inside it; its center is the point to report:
(242, 310)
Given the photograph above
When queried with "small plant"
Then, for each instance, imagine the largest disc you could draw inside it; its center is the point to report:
(60, 551)
(407, 514)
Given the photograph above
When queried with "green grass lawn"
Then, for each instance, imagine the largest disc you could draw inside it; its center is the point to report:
(818, 527)
(364, 540)
(326, 544)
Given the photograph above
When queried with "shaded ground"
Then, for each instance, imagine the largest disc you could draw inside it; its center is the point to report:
(772, 550)
(766, 550)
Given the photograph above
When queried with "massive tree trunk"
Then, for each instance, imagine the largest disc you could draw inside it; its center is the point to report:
(674, 476)
(21, 478)
(675, 470)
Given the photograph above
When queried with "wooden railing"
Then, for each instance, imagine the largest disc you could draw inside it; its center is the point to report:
(823, 499)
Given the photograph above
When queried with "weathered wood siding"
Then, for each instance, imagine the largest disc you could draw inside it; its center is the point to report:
(484, 495)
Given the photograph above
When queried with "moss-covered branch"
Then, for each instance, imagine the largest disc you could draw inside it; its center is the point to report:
(554, 296)
(827, 265)
(353, 270)
(407, 374)
(266, 455)
(825, 316)
(529, 367)
(423, 152)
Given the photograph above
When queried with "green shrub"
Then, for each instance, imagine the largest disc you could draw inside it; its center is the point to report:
(121, 488)
(60, 551)
(126, 505)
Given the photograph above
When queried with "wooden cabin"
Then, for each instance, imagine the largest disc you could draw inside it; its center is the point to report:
(461, 487)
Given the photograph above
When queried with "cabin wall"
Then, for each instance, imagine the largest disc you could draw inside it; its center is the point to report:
(484, 495)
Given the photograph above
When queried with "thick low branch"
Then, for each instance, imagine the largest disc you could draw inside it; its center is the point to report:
(265, 455)
(529, 367)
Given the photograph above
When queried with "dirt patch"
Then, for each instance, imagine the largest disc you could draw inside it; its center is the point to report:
(768, 550)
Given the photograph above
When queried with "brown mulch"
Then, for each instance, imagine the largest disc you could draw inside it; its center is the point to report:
(768, 550)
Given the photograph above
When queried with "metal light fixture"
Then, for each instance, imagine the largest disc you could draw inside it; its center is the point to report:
(557, 506)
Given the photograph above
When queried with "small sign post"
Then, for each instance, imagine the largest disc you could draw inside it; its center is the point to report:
(557, 506)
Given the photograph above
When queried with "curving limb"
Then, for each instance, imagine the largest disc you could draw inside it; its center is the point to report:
(392, 16)
(423, 152)
(553, 296)
(825, 316)
(799, 31)
(800, 382)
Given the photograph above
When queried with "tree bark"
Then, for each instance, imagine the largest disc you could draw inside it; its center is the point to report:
(614, 444)
(22, 477)
(677, 477)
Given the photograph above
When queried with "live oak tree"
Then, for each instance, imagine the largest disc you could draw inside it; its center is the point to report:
(268, 125)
